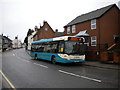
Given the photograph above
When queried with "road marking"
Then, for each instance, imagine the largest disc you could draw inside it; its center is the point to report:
(41, 65)
(29, 61)
(12, 86)
(80, 76)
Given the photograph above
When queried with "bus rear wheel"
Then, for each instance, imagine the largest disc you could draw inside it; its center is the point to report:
(53, 60)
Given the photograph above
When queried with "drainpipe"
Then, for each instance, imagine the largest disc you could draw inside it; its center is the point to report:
(98, 53)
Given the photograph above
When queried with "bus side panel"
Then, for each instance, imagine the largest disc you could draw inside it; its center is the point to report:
(41, 55)
(32, 54)
(71, 61)
(63, 60)
(47, 56)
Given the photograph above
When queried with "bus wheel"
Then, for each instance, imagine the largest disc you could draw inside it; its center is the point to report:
(53, 60)
(35, 56)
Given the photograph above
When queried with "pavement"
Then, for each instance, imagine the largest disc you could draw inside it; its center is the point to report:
(99, 64)
(106, 65)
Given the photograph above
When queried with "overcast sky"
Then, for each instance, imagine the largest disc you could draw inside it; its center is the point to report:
(17, 16)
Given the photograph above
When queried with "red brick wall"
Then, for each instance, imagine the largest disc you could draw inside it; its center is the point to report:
(45, 34)
(109, 26)
(35, 38)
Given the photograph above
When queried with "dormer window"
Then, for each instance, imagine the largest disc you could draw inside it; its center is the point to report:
(73, 29)
(68, 30)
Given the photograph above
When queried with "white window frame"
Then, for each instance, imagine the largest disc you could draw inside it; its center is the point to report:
(94, 40)
(68, 30)
(73, 28)
(93, 24)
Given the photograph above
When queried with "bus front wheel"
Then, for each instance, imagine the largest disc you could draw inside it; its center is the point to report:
(53, 60)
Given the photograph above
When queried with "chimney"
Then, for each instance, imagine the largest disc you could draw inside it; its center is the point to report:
(36, 28)
(44, 22)
(56, 30)
(40, 26)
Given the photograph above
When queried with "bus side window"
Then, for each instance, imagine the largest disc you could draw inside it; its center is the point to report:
(61, 47)
(45, 47)
(53, 47)
(41, 48)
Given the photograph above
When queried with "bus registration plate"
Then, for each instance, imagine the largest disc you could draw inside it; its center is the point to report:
(76, 57)
(76, 61)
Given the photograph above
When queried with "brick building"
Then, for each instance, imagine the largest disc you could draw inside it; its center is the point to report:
(44, 32)
(103, 26)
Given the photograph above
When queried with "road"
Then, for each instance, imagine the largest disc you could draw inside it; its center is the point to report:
(24, 72)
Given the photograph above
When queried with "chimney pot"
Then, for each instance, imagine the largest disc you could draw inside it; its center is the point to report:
(56, 30)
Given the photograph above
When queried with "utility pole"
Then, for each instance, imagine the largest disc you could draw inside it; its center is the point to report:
(17, 41)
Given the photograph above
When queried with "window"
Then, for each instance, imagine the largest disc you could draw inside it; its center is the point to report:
(61, 47)
(73, 29)
(93, 24)
(46, 29)
(74, 47)
(93, 41)
(68, 30)
(53, 47)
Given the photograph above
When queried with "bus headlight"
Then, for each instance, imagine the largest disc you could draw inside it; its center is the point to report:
(65, 56)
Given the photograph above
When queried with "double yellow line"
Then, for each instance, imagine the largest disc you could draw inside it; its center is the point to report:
(11, 85)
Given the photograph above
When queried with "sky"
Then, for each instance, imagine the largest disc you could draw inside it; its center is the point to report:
(17, 16)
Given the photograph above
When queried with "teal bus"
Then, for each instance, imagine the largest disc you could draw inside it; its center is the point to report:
(65, 49)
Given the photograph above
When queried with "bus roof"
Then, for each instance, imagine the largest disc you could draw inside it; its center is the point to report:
(65, 38)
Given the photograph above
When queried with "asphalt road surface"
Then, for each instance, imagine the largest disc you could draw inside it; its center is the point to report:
(24, 72)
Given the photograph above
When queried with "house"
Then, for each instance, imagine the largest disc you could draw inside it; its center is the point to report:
(102, 25)
(44, 32)
(5, 43)
(29, 38)
(16, 43)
